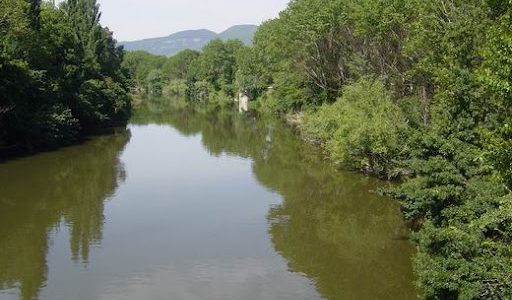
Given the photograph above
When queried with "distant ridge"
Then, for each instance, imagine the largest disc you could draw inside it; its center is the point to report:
(190, 39)
(174, 43)
(245, 33)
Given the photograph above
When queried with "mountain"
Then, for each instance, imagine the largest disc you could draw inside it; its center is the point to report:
(190, 39)
(245, 33)
(174, 43)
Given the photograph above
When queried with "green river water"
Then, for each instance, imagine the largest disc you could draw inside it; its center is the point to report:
(191, 205)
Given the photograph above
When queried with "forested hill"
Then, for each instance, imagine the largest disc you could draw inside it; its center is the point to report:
(190, 39)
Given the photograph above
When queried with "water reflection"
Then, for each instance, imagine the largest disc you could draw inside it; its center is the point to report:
(332, 228)
(68, 186)
(351, 242)
(192, 221)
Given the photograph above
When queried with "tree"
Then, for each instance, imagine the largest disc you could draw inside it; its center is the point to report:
(155, 82)
(48, 56)
(217, 64)
(177, 66)
(100, 67)
(139, 64)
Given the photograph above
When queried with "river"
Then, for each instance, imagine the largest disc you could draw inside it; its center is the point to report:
(187, 204)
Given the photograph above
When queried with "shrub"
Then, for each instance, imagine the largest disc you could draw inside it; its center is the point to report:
(220, 100)
(176, 87)
(198, 91)
(364, 129)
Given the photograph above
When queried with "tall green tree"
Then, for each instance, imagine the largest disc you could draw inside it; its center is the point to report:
(177, 66)
(101, 86)
(49, 62)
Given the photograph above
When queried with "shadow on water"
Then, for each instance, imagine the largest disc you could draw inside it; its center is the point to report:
(331, 226)
(80, 178)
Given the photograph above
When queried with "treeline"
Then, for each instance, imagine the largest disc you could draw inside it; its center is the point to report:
(60, 74)
(409, 89)
(209, 76)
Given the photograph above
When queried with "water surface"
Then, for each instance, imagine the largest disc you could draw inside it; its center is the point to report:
(196, 205)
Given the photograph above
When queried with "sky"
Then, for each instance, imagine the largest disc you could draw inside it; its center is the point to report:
(139, 19)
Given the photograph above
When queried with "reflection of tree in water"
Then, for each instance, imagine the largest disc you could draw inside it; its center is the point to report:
(71, 185)
(350, 241)
(222, 131)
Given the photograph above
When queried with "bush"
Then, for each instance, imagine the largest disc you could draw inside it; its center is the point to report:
(501, 153)
(220, 100)
(462, 215)
(155, 83)
(364, 129)
(57, 128)
(176, 87)
(266, 105)
(198, 91)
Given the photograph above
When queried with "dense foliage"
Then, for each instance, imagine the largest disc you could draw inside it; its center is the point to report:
(60, 74)
(363, 129)
(206, 76)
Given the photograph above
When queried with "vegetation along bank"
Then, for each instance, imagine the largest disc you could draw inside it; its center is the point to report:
(60, 75)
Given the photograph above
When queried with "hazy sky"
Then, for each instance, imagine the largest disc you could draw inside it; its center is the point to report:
(137, 19)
